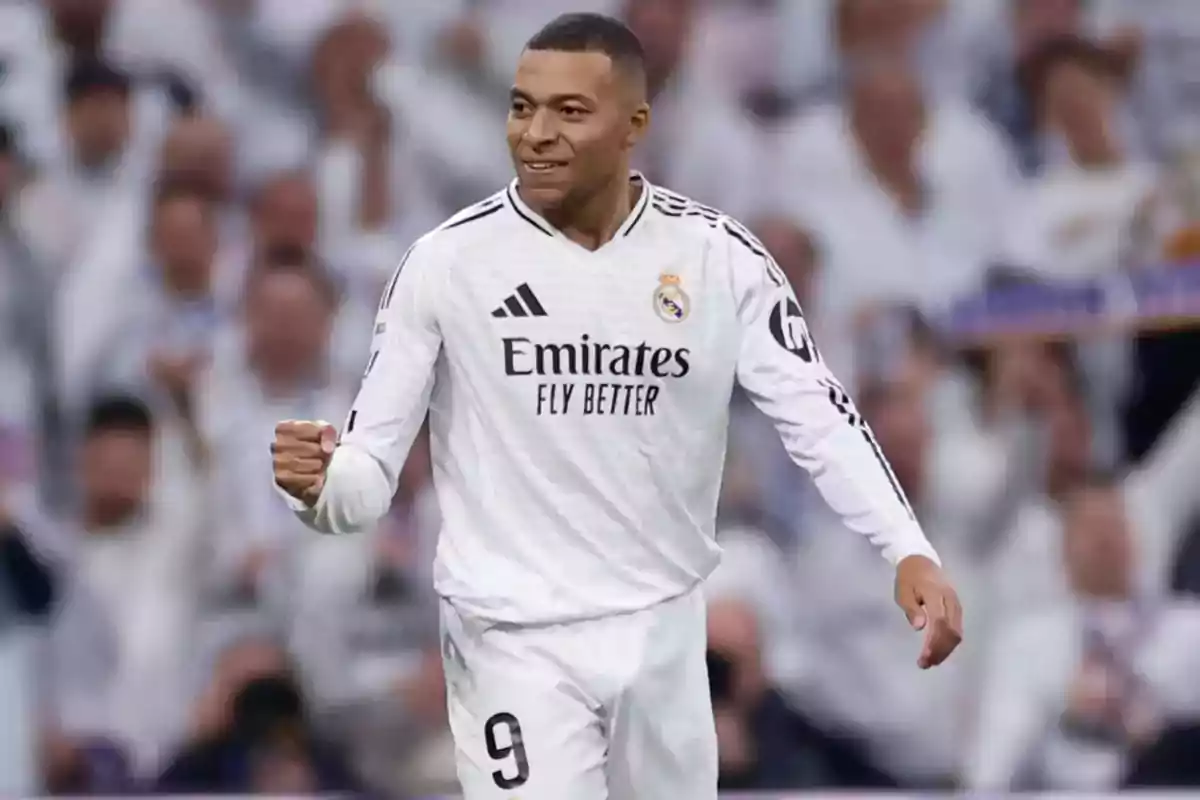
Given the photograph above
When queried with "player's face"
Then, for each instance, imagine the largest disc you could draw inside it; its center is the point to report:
(571, 121)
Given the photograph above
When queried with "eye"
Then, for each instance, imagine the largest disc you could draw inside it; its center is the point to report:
(573, 112)
(519, 107)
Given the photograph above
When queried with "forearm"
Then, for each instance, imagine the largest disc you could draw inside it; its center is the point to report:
(855, 480)
(356, 494)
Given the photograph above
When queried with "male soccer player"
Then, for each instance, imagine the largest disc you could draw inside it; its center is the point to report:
(574, 339)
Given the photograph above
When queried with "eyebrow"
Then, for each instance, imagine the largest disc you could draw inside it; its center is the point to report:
(554, 99)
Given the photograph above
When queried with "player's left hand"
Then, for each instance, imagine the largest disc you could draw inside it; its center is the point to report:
(931, 605)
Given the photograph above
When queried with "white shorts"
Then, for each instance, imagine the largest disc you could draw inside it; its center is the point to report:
(610, 709)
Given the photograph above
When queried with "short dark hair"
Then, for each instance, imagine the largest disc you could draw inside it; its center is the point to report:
(1034, 69)
(118, 413)
(89, 76)
(591, 33)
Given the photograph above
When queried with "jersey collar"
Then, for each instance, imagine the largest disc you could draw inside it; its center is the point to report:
(526, 213)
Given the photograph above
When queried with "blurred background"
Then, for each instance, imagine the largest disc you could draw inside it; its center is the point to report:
(989, 208)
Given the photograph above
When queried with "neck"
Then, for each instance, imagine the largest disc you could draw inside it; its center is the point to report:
(595, 219)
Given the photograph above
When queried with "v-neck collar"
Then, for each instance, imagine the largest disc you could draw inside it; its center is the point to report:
(535, 219)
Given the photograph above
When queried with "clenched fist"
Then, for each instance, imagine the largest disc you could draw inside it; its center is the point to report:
(300, 455)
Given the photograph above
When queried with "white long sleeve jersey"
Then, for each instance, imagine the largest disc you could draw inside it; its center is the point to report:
(578, 403)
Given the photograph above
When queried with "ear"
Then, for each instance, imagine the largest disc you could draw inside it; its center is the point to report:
(639, 124)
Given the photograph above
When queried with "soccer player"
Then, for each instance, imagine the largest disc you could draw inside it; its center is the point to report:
(574, 339)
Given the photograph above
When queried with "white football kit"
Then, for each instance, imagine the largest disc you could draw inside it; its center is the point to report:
(578, 403)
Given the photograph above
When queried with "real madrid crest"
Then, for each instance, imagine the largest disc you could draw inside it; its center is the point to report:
(671, 302)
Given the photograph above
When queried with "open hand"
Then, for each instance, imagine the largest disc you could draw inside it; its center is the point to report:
(931, 605)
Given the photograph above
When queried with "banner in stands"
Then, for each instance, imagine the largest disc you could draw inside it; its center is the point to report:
(1164, 298)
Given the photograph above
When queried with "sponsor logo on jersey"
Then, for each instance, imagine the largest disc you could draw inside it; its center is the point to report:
(602, 378)
(671, 302)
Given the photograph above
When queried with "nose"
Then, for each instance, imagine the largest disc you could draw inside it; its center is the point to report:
(541, 129)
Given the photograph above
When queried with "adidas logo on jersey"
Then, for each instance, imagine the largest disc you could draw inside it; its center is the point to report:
(522, 303)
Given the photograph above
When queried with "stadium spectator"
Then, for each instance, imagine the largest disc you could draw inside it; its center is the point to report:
(1115, 664)
(1155, 505)
(259, 737)
(1001, 95)
(1095, 212)
(926, 180)
(71, 206)
(121, 642)
(156, 346)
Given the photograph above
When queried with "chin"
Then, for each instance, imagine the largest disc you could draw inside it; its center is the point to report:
(544, 197)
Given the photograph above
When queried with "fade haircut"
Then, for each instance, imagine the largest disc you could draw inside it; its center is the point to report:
(594, 33)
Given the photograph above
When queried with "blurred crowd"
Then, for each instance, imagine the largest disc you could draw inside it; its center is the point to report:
(201, 199)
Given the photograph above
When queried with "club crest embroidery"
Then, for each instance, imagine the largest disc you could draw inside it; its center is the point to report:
(671, 302)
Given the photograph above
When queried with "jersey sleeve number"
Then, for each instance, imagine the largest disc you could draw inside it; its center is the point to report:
(499, 752)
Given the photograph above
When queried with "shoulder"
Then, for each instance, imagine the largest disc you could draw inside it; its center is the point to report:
(691, 217)
(717, 229)
(474, 223)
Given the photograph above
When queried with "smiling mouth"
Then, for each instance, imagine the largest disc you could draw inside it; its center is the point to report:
(543, 166)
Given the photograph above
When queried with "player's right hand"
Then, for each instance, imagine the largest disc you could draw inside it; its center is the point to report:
(300, 455)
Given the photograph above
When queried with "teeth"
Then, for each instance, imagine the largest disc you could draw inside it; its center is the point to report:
(540, 166)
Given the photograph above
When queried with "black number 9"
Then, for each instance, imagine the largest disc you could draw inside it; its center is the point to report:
(499, 752)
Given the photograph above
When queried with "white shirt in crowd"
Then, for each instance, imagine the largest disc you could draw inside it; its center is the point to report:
(1034, 663)
(119, 651)
(872, 253)
(1160, 500)
(578, 403)
(1077, 224)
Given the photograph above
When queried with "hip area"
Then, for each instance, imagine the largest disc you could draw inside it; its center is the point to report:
(598, 658)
